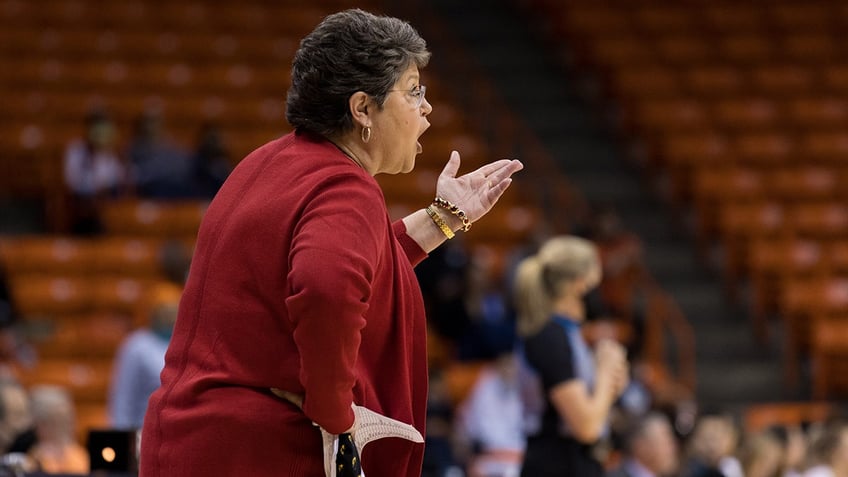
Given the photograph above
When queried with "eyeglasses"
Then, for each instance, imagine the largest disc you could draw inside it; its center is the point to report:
(417, 93)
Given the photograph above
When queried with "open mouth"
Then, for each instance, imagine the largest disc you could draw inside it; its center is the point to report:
(420, 149)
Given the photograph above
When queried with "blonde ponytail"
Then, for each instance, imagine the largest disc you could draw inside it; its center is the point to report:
(532, 302)
(542, 278)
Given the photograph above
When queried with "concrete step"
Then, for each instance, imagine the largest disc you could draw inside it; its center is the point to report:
(698, 299)
(725, 344)
(754, 380)
(558, 105)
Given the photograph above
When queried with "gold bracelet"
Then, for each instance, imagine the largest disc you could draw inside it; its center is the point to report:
(455, 210)
(440, 222)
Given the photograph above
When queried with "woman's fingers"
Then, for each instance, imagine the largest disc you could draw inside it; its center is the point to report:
(493, 167)
(452, 167)
(496, 191)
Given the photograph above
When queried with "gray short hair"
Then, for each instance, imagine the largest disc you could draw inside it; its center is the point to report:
(347, 52)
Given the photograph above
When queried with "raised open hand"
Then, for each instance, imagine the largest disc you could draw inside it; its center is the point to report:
(477, 191)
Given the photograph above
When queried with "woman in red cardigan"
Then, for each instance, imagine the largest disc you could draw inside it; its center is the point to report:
(301, 283)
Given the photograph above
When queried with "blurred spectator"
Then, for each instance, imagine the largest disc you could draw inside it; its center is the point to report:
(442, 278)
(92, 170)
(712, 448)
(175, 261)
(491, 420)
(56, 450)
(141, 359)
(829, 452)
(793, 445)
(210, 164)
(13, 348)
(8, 318)
(761, 456)
(650, 448)
(15, 419)
(439, 458)
(160, 170)
(491, 327)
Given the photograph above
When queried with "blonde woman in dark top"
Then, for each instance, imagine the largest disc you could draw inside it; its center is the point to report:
(580, 386)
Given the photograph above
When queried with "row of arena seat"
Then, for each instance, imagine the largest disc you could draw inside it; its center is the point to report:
(723, 79)
(78, 298)
(253, 18)
(81, 296)
(740, 106)
(595, 18)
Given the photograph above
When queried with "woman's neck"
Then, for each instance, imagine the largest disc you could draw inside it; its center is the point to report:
(352, 148)
(570, 306)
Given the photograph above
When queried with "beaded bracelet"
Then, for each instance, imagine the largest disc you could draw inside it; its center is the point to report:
(440, 222)
(455, 210)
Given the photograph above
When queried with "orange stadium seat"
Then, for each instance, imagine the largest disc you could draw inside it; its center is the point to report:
(816, 112)
(730, 18)
(824, 147)
(96, 336)
(809, 17)
(837, 254)
(86, 380)
(593, 20)
(783, 79)
(714, 80)
(773, 263)
(810, 183)
(418, 186)
(51, 296)
(813, 47)
(460, 378)
(122, 296)
(714, 187)
(739, 227)
(746, 113)
(506, 224)
(153, 219)
(803, 303)
(47, 256)
(613, 52)
(644, 82)
(820, 220)
(660, 116)
(682, 49)
(131, 257)
(835, 77)
(759, 417)
(766, 149)
(830, 358)
(746, 49)
(681, 154)
(663, 19)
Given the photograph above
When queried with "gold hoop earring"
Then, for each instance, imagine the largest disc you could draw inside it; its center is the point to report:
(365, 135)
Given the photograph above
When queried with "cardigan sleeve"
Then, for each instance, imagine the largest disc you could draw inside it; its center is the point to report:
(410, 247)
(335, 249)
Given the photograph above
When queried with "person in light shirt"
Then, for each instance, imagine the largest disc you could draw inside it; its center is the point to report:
(141, 359)
(92, 170)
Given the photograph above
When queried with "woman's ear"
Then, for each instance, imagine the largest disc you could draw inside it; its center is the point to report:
(358, 104)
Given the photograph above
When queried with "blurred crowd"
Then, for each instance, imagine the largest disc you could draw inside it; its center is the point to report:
(480, 427)
(150, 165)
(39, 431)
(478, 424)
